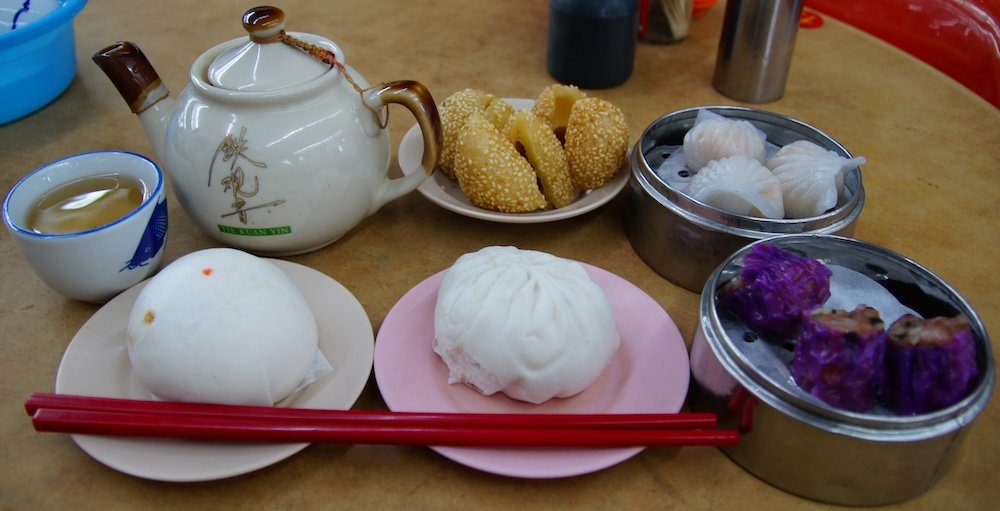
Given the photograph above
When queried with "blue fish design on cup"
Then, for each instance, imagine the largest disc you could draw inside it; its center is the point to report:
(152, 238)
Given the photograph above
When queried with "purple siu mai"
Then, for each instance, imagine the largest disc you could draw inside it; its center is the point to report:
(774, 288)
(931, 363)
(840, 357)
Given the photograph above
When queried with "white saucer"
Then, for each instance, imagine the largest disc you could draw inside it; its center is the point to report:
(96, 364)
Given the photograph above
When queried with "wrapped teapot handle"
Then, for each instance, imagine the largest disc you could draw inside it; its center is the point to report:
(418, 100)
(266, 24)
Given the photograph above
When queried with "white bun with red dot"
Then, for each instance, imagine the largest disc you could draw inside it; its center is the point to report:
(221, 326)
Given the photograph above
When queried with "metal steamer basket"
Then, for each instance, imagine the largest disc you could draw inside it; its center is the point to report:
(683, 239)
(802, 445)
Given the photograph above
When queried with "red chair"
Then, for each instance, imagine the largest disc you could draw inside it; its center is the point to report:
(961, 38)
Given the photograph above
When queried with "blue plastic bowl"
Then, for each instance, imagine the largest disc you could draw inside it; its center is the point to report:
(37, 62)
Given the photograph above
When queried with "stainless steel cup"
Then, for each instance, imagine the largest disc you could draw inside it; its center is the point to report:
(755, 49)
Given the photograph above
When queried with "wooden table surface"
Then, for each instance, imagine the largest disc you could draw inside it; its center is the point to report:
(932, 194)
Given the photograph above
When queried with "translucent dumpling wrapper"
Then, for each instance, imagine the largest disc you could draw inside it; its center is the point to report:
(525, 323)
(714, 137)
(931, 363)
(739, 185)
(840, 357)
(811, 177)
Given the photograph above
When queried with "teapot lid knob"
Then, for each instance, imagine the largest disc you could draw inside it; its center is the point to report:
(257, 65)
(264, 24)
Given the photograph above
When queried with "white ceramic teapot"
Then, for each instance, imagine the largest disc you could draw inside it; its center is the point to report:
(276, 146)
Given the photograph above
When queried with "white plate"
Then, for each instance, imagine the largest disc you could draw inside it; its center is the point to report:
(444, 191)
(96, 363)
(648, 374)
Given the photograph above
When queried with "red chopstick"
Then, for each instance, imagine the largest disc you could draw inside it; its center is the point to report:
(495, 420)
(277, 430)
(110, 416)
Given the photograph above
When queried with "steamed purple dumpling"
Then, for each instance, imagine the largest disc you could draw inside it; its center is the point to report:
(774, 288)
(931, 363)
(840, 357)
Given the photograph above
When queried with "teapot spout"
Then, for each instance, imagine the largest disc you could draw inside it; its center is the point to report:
(140, 87)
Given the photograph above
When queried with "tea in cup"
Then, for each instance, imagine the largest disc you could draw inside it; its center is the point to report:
(91, 225)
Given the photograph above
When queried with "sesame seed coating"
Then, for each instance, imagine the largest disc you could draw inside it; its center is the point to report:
(454, 110)
(596, 142)
(523, 161)
(499, 113)
(490, 171)
(545, 154)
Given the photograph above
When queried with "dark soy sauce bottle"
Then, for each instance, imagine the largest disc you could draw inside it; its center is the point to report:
(592, 42)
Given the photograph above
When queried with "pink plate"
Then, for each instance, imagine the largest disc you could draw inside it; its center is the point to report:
(648, 374)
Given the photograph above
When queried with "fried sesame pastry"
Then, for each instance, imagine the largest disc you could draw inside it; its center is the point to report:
(545, 154)
(596, 142)
(499, 113)
(490, 171)
(454, 110)
(554, 104)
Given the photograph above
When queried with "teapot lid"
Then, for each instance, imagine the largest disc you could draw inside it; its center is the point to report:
(264, 63)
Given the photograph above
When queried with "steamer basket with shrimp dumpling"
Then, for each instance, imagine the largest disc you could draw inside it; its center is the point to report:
(684, 239)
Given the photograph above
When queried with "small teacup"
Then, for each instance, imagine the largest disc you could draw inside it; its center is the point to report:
(82, 227)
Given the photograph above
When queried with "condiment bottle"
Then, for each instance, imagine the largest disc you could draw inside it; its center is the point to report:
(592, 42)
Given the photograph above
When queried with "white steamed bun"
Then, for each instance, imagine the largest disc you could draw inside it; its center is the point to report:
(525, 323)
(221, 326)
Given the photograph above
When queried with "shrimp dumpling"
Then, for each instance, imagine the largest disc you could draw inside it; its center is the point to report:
(714, 137)
(811, 177)
(739, 185)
